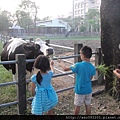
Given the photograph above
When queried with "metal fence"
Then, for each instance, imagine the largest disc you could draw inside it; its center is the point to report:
(21, 77)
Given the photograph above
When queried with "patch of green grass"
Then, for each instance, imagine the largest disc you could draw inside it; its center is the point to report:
(11, 110)
(8, 94)
(65, 38)
(5, 76)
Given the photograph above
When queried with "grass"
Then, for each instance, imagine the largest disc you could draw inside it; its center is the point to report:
(7, 93)
(65, 38)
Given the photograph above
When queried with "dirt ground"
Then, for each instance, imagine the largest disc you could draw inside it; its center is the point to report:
(102, 104)
(70, 43)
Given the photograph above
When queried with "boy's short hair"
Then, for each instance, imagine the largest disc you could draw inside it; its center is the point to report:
(86, 51)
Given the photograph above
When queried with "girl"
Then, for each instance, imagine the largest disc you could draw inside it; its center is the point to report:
(45, 96)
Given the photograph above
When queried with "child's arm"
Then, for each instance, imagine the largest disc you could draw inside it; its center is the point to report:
(33, 88)
(65, 68)
(51, 66)
(117, 72)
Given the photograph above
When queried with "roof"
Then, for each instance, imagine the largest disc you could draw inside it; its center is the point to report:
(15, 27)
(53, 23)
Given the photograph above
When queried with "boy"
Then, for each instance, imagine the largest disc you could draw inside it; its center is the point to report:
(83, 86)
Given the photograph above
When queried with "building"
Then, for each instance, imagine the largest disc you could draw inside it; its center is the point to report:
(81, 7)
(52, 27)
(16, 31)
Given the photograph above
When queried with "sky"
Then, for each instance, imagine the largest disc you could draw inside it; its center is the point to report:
(52, 8)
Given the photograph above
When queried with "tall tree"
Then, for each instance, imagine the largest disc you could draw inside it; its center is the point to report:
(92, 20)
(23, 19)
(74, 23)
(31, 9)
(110, 38)
(4, 21)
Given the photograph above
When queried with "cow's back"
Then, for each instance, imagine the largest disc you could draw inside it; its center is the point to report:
(18, 46)
(8, 47)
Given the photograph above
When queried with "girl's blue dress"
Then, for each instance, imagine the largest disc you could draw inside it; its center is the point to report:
(45, 96)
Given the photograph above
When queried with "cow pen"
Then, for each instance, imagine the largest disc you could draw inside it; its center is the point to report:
(21, 79)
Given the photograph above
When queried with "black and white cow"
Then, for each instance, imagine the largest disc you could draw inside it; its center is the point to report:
(30, 49)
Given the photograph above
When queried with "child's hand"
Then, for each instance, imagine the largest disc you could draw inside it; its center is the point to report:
(118, 70)
(51, 63)
(59, 60)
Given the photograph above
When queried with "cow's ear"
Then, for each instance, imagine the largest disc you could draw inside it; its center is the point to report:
(37, 46)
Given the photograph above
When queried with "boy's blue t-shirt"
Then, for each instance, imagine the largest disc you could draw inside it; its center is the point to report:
(84, 71)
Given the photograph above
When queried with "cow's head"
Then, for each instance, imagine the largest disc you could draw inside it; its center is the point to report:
(44, 47)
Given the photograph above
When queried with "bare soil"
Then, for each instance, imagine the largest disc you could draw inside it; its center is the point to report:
(102, 104)
(70, 43)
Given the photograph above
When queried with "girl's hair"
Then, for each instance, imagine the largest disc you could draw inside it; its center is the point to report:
(86, 51)
(42, 63)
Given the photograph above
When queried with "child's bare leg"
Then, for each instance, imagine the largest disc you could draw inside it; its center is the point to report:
(88, 109)
(50, 112)
(77, 110)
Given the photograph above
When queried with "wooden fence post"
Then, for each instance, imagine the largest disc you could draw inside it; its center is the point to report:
(21, 87)
(98, 61)
(77, 48)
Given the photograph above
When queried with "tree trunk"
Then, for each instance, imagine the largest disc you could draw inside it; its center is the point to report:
(110, 37)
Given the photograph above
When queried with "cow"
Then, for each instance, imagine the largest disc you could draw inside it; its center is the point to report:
(30, 49)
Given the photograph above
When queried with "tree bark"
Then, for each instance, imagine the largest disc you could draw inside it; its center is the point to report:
(110, 37)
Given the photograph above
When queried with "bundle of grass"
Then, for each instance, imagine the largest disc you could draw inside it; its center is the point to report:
(103, 69)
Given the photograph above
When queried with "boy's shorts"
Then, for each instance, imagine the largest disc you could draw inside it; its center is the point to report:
(82, 99)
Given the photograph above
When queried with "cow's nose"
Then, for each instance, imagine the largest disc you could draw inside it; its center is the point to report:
(50, 51)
